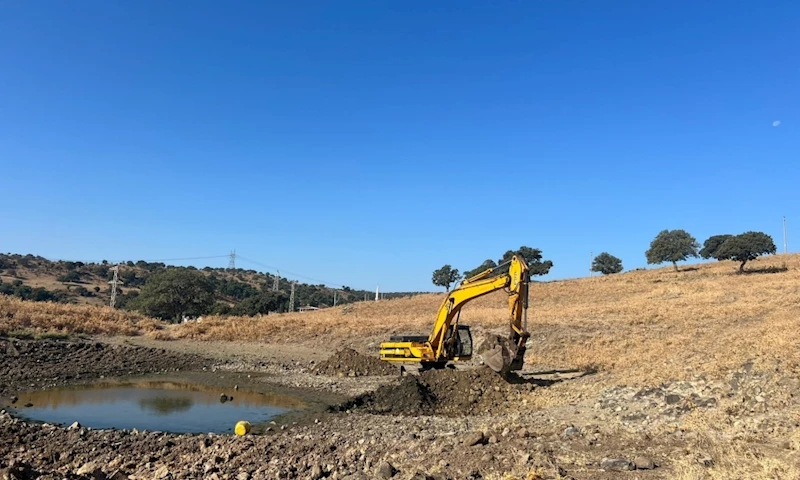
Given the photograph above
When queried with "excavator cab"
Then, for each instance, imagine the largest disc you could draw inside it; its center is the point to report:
(458, 342)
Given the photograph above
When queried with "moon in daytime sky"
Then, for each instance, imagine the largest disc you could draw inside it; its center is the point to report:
(776, 123)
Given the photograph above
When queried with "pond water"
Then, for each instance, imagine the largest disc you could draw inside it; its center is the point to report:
(155, 406)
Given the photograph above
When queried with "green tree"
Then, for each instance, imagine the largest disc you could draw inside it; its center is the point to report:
(533, 257)
(445, 276)
(263, 303)
(672, 246)
(606, 264)
(712, 244)
(488, 263)
(745, 247)
(175, 292)
(71, 276)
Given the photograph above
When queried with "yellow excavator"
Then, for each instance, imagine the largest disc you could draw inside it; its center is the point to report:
(450, 341)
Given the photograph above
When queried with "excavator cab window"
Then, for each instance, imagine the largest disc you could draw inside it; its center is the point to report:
(463, 342)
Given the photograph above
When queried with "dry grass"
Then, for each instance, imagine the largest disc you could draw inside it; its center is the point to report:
(47, 319)
(653, 325)
(649, 326)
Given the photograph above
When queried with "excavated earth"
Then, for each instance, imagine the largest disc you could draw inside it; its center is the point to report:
(348, 362)
(441, 425)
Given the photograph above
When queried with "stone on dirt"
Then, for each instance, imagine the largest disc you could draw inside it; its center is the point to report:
(386, 470)
(74, 426)
(91, 470)
(570, 431)
(644, 463)
(475, 438)
(616, 464)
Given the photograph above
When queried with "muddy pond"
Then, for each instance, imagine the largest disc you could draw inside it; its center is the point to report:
(177, 407)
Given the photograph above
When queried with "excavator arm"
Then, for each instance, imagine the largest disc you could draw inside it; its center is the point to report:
(447, 340)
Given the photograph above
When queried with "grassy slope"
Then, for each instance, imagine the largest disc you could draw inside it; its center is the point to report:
(637, 328)
(654, 325)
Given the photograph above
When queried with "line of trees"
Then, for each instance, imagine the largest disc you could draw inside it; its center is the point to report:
(678, 245)
(447, 275)
(671, 246)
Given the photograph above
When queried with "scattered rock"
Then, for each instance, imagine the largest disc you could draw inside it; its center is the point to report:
(14, 398)
(672, 399)
(570, 431)
(91, 470)
(705, 460)
(644, 463)
(316, 472)
(386, 470)
(74, 426)
(616, 464)
(28, 405)
(118, 475)
(162, 472)
(475, 438)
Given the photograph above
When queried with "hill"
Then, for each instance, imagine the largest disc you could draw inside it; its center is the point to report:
(36, 278)
(651, 324)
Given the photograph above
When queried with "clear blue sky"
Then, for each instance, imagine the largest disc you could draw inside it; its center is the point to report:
(366, 143)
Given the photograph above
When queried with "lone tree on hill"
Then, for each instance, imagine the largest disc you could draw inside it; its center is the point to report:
(711, 245)
(445, 276)
(745, 247)
(175, 292)
(672, 246)
(606, 264)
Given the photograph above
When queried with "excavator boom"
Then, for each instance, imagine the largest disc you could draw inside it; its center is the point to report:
(449, 341)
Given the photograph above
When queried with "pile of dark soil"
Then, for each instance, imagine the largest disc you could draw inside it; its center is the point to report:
(444, 392)
(349, 363)
(28, 364)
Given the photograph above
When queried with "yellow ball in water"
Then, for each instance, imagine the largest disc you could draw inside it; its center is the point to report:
(242, 428)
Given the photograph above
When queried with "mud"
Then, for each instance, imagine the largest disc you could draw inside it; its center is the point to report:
(29, 364)
(445, 392)
(350, 363)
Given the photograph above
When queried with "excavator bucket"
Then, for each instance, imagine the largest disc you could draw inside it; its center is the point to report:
(501, 354)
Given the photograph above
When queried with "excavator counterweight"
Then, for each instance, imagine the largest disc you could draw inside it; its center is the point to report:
(451, 341)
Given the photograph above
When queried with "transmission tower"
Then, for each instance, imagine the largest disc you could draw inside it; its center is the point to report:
(232, 262)
(114, 282)
(291, 297)
(275, 282)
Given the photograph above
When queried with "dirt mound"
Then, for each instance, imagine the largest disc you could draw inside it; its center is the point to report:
(27, 364)
(444, 392)
(349, 363)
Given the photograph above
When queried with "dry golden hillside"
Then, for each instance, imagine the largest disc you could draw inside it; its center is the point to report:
(652, 324)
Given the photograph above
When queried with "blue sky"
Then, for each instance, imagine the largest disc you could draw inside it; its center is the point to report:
(365, 143)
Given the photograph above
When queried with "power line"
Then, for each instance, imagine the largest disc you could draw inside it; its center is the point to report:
(271, 267)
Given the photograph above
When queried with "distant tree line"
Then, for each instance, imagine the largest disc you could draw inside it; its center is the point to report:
(170, 292)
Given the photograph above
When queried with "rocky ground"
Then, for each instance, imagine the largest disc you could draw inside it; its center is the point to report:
(444, 424)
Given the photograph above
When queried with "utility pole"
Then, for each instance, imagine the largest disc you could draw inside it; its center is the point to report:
(377, 289)
(591, 261)
(785, 250)
(334, 298)
(114, 282)
(275, 282)
(291, 297)
(232, 262)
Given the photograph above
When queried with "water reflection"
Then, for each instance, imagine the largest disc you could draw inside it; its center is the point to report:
(165, 405)
(151, 405)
